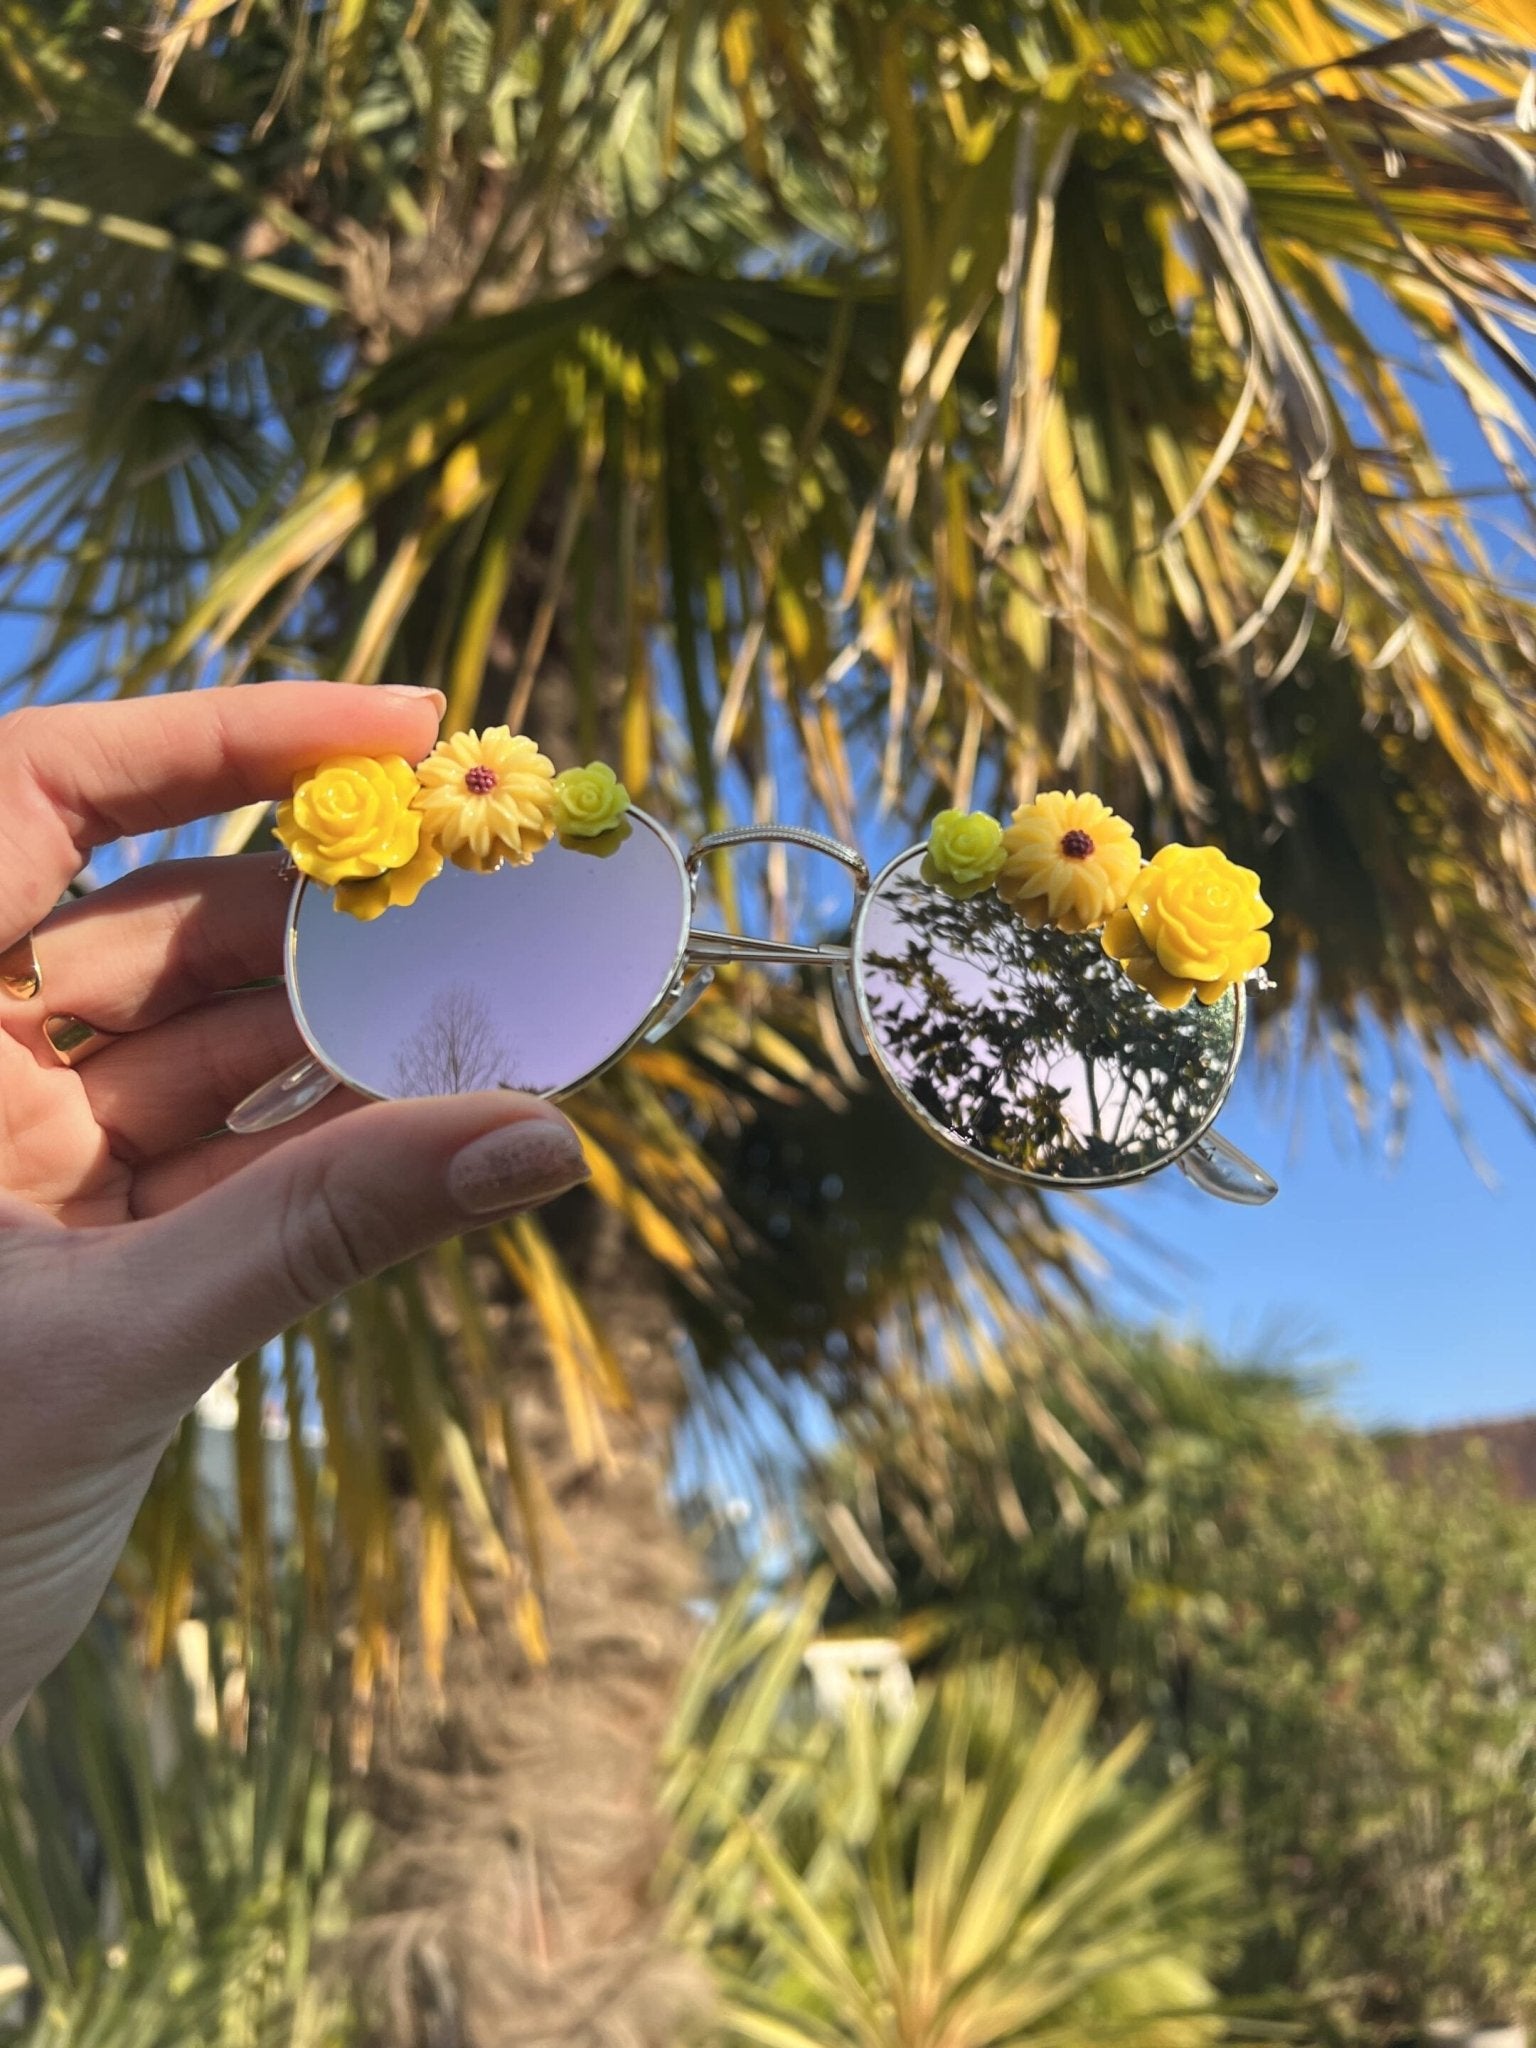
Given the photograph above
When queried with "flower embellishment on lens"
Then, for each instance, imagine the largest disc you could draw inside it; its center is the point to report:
(377, 832)
(1193, 924)
(965, 851)
(352, 819)
(1069, 861)
(1188, 923)
(589, 802)
(397, 889)
(488, 797)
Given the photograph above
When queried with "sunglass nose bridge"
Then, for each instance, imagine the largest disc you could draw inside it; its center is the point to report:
(780, 835)
(745, 949)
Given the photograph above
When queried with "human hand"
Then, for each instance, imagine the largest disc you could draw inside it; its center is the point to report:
(141, 1250)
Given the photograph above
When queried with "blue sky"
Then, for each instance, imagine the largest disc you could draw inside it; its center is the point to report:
(1411, 1276)
(1413, 1279)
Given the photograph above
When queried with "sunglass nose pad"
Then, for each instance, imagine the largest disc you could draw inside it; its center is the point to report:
(1217, 1168)
(687, 995)
(846, 1004)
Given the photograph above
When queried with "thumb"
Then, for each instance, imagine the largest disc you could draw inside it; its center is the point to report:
(231, 1268)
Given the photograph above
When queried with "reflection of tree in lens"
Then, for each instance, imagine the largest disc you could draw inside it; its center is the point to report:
(455, 1049)
(1033, 1047)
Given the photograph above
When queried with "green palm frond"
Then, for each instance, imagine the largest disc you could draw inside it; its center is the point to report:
(967, 1871)
(172, 1859)
(1095, 1447)
(1296, 1611)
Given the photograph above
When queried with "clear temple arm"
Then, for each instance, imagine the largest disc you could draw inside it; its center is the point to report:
(1217, 1167)
(281, 1099)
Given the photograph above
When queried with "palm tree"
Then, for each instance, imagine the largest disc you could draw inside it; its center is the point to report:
(819, 407)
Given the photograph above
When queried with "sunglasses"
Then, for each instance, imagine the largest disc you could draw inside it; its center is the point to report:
(1027, 1052)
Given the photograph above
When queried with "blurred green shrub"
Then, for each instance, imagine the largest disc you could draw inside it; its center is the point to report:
(970, 1871)
(172, 1858)
(1347, 1654)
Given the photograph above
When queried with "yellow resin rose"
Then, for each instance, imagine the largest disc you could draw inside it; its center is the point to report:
(1068, 861)
(589, 801)
(487, 797)
(965, 851)
(395, 890)
(1193, 924)
(351, 818)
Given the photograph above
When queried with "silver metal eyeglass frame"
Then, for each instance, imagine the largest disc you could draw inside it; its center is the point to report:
(1209, 1160)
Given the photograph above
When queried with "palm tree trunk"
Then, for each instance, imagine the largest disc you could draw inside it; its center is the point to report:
(512, 1899)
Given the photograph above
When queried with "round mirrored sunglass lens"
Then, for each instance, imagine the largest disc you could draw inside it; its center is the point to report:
(1031, 1050)
(533, 977)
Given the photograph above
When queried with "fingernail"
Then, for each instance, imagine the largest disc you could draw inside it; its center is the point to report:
(415, 690)
(529, 1161)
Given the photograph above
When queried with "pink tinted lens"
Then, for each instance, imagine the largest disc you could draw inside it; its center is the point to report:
(532, 977)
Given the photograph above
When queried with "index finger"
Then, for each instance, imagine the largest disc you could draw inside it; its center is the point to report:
(75, 776)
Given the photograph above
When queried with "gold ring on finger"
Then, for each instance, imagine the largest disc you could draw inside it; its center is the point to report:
(20, 976)
(73, 1040)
